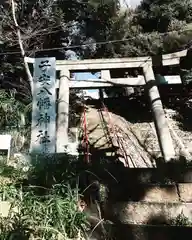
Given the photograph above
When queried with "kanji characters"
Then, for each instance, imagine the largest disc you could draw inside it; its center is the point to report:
(44, 103)
(43, 137)
(44, 90)
(43, 119)
(44, 65)
(44, 79)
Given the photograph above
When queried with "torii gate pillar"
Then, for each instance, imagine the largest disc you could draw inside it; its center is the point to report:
(63, 112)
(162, 129)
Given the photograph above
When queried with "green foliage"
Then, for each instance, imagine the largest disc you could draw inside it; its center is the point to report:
(10, 172)
(176, 25)
(11, 110)
(44, 217)
(186, 76)
(41, 211)
(146, 32)
(144, 44)
(15, 118)
(181, 220)
(59, 24)
(157, 15)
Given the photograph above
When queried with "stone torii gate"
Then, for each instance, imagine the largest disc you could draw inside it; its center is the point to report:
(105, 65)
(65, 82)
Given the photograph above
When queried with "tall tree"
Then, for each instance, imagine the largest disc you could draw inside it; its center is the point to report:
(26, 26)
(162, 15)
(29, 27)
(160, 26)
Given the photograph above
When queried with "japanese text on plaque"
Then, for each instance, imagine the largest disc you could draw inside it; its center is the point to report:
(44, 109)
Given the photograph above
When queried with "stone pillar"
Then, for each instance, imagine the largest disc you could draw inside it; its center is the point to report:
(63, 111)
(106, 76)
(162, 129)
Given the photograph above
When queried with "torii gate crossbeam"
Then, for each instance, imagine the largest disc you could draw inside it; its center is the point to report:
(105, 65)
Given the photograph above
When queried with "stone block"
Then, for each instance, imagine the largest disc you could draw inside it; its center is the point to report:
(161, 194)
(185, 191)
(147, 213)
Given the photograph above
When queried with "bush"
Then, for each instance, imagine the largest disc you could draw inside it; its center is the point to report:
(181, 220)
(41, 211)
(52, 216)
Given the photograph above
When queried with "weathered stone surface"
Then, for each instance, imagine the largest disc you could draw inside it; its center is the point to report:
(162, 129)
(151, 192)
(147, 213)
(43, 129)
(185, 191)
(161, 194)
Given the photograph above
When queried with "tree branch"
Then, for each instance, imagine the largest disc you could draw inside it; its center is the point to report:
(29, 76)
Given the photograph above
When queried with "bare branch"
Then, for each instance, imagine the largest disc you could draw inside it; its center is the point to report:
(30, 78)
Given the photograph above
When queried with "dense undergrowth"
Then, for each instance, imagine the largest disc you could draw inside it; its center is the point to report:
(42, 204)
(43, 201)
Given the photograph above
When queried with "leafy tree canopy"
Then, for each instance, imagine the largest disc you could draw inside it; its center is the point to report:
(60, 24)
(160, 15)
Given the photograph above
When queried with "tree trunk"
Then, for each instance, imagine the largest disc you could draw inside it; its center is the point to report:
(27, 70)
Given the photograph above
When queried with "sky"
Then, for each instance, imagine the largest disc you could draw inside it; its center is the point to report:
(131, 3)
(134, 3)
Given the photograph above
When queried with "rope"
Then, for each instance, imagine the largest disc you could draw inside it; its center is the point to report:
(85, 142)
(86, 138)
(113, 130)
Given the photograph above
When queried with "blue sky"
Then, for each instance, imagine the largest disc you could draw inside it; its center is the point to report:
(81, 76)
